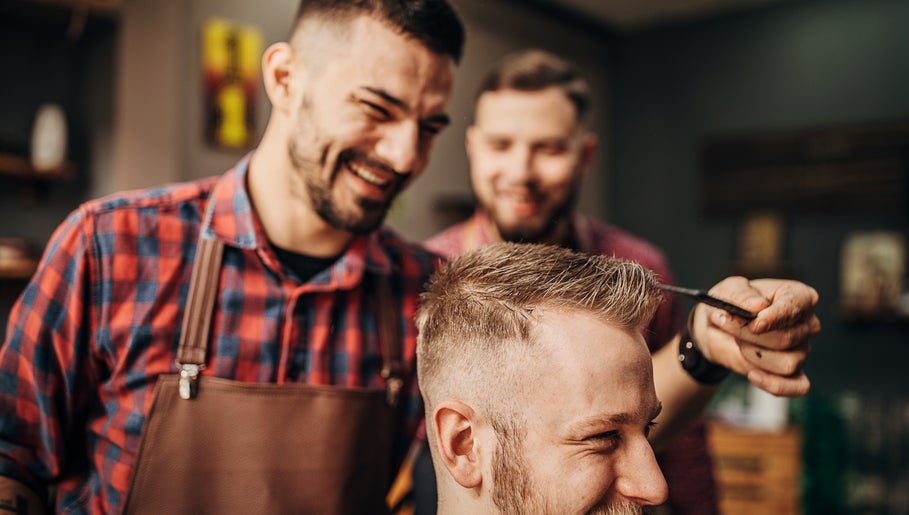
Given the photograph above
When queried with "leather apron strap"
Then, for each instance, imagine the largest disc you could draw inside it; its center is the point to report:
(389, 338)
(203, 290)
(213, 445)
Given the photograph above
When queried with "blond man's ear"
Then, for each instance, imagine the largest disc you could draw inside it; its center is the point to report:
(457, 444)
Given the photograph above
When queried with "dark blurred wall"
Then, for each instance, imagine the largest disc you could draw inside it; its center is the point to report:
(42, 61)
(794, 65)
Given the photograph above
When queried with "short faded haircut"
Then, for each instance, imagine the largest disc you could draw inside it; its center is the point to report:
(478, 315)
(434, 23)
(536, 70)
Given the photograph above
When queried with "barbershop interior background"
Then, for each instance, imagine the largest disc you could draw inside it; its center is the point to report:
(758, 137)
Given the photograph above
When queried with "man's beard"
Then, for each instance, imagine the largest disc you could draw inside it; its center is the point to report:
(624, 508)
(544, 232)
(513, 491)
(368, 217)
(525, 234)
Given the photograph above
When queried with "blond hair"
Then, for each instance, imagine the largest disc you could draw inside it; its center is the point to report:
(477, 317)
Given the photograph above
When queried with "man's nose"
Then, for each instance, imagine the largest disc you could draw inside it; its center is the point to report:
(399, 147)
(640, 479)
(519, 163)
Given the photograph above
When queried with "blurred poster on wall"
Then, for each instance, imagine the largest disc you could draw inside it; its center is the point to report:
(230, 64)
(873, 267)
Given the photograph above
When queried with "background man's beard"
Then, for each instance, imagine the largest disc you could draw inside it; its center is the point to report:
(544, 232)
(539, 234)
(519, 234)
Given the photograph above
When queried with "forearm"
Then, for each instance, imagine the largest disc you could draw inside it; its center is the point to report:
(17, 498)
(683, 398)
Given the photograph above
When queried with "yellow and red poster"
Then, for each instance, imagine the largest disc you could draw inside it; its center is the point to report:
(230, 63)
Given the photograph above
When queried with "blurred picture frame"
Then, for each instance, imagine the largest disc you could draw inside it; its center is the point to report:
(230, 66)
(873, 266)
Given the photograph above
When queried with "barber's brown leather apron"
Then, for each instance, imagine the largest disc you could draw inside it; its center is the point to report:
(218, 446)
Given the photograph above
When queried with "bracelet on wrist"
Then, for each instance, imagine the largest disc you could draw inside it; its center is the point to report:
(697, 366)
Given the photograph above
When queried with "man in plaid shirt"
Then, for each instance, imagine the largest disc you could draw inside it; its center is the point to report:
(358, 94)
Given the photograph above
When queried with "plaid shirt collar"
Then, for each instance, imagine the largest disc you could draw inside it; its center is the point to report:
(229, 217)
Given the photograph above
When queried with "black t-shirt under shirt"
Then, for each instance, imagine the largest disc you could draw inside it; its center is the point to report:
(303, 266)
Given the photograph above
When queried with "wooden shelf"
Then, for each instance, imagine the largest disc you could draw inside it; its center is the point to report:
(20, 167)
(19, 269)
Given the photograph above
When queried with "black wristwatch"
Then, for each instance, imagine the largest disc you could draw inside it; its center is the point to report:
(697, 366)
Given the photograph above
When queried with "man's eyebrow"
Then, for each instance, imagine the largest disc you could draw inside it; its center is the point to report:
(388, 97)
(593, 423)
(436, 119)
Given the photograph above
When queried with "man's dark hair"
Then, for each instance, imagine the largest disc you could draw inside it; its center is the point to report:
(536, 70)
(434, 23)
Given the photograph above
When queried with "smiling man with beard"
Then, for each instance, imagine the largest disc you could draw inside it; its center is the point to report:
(537, 383)
(244, 343)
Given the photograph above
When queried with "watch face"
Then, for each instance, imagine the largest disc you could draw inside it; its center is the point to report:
(48, 145)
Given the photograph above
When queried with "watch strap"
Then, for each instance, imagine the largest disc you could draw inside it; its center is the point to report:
(697, 366)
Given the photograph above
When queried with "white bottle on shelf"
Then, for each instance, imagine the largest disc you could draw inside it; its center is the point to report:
(48, 143)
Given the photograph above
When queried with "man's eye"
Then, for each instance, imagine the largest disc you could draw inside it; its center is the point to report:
(649, 428)
(498, 145)
(375, 110)
(607, 439)
(552, 149)
(430, 130)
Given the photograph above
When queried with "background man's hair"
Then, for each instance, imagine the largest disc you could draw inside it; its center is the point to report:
(536, 70)
(434, 23)
(480, 308)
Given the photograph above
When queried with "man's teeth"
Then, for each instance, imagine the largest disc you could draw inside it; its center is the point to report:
(367, 175)
(521, 199)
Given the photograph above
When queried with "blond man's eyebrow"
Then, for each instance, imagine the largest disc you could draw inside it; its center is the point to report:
(593, 423)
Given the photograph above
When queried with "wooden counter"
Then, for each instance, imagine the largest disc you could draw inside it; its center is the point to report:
(757, 472)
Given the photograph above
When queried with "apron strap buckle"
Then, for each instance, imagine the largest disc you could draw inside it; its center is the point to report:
(393, 387)
(189, 380)
(394, 383)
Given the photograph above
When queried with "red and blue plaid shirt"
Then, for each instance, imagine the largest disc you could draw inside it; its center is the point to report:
(100, 321)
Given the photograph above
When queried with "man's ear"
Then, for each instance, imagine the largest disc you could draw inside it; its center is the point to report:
(278, 67)
(456, 438)
(469, 138)
(588, 150)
